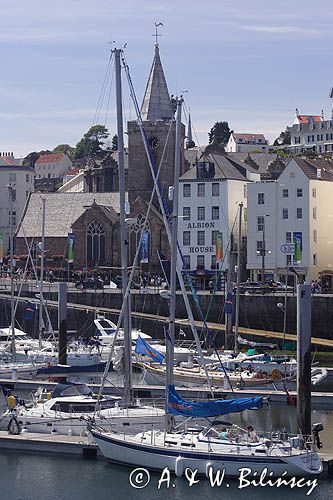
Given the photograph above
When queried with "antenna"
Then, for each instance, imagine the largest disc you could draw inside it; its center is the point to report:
(331, 97)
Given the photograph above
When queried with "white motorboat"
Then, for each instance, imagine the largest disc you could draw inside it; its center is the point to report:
(68, 408)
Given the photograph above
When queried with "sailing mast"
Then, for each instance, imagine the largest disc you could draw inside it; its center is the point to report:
(240, 208)
(173, 268)
(11, 244)
(41, 325)
(123, 237)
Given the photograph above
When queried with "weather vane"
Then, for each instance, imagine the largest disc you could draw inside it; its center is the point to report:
(157, 34)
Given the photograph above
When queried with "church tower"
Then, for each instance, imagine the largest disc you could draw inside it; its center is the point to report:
(157, 113)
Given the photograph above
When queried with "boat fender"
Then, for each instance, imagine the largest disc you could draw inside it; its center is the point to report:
(208, 466)
(179, 466)
(276, 374)
(70, 432)
(11, 402)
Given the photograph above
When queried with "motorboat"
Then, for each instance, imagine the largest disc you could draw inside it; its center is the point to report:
(67, 409)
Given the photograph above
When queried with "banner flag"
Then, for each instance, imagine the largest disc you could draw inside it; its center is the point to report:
(144, 259)
(70, 247)
(219, 247)
(1, 246)
(298, 248)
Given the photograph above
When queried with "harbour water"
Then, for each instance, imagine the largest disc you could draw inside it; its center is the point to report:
(34, 477)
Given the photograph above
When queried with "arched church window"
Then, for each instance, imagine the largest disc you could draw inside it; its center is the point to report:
(95, 238)
(135, 230)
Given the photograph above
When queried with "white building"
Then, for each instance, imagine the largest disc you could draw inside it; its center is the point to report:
(246, 143)
(209, 195)
(295, 208)
(74, 182)
(311, 133)
(21, 178)
(52, 166)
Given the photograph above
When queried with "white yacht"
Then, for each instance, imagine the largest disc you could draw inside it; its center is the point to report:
(68, 408)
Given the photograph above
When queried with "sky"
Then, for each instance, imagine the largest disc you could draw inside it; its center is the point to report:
(250, 63)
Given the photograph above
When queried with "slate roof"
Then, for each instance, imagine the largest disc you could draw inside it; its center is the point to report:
(224, 169)
(12, 163)
(248, 137)
(262, 160)
(311, 167)
(156, 103)
(61, 211)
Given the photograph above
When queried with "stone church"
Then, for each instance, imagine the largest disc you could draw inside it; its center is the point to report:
(93, 216)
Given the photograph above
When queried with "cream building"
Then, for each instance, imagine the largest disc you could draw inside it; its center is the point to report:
(52, 166)
(21, 179)
(295, 208)
(246, 143)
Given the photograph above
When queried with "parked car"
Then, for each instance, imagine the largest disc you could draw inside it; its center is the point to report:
(277, 285)
(91, 283)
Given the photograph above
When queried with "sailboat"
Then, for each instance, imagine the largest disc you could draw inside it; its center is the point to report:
(213, 447)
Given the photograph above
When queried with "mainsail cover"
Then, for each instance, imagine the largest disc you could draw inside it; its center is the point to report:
(177, 405)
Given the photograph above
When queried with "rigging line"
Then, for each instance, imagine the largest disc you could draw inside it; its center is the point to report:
(167, 222)
(101, 95)
(128, 287)
(109, 97)
(221, 266)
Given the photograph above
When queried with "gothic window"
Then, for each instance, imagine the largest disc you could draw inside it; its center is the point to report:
(135, 228)
(95, 243)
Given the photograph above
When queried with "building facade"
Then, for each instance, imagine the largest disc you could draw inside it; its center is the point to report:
(246, 143)
(52, 166)
(290, 222)
(209, 197)
(311, 133)
(21, 180)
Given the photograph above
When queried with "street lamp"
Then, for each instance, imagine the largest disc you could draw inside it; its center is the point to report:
(263, 251)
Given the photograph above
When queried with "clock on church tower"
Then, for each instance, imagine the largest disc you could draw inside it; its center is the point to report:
(153, 142)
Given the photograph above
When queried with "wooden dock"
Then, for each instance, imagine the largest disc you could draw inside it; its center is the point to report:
(49, 443)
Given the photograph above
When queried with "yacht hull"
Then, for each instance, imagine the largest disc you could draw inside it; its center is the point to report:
(128, 451)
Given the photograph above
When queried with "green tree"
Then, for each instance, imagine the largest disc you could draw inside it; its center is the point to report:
(92, 142)
(31, 158)
(66, 149)
(114, 144)
(219, 133)
(284, 138)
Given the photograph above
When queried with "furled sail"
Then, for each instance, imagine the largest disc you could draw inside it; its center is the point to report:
(177, 405)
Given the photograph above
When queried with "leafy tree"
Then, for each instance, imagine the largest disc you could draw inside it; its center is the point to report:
(114, 144)
(31, 158)
(284, 138)
(219, 133)
(66, 149)
(92, 142)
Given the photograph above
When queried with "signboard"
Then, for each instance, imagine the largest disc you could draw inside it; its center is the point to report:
(298, 242)
(70, 247)
(219, 247)
(288, 248)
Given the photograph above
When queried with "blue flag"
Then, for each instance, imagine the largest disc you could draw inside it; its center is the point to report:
(29, 311)
(142, 347)
(228, 304)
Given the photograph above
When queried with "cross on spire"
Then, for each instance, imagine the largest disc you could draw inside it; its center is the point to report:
(156, 34)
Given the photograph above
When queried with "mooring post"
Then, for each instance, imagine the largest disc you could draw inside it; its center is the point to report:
(304, 358)
(62, 323)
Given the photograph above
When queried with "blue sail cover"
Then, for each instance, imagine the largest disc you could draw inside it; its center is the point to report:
(178, 406)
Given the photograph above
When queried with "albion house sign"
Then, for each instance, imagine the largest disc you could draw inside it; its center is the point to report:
(202, 249)
(200, 225)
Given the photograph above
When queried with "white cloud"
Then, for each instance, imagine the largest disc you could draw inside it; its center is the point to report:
(281, 29)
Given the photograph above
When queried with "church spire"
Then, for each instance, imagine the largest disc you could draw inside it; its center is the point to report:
(156, 103)
(189, 142)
